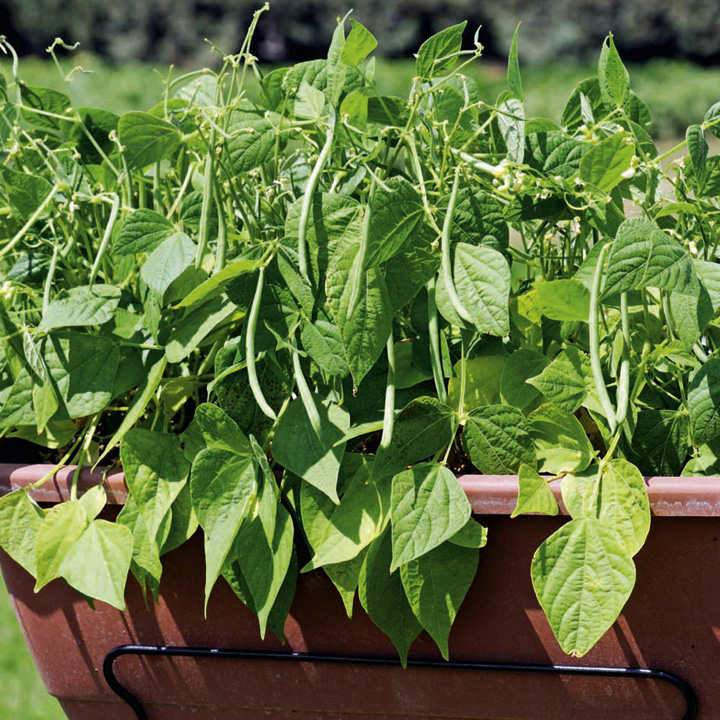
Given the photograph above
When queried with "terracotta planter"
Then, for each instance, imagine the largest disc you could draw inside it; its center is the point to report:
(672, 622)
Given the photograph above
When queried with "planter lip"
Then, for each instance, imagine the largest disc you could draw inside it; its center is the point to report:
(488, 494)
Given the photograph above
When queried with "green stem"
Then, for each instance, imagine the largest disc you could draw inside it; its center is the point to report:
(595, 364)
(49, 279)
(30, 222)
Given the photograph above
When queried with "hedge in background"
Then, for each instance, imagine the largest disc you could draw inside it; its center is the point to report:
(173, 30)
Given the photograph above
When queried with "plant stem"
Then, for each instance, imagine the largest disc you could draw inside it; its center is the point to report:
(47, 287)
(30, 222)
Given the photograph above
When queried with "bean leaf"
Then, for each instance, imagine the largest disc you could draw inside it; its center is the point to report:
(438, 54)
(582, 577)
(497, 439)
(428, 506)
(146, 138)
(315, 458)
(99, 562)
(436, 585)
(642, 255)
(482, 277)
(142, 231)
(534, 494)
(383, 597)
(84, 305)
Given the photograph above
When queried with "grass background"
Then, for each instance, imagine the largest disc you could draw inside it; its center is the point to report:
(677, 92)
(22, 694)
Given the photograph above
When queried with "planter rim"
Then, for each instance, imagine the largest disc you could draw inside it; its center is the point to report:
(488, 494)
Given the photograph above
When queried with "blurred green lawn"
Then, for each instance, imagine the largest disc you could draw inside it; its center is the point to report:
(22, 694)
(678, 92)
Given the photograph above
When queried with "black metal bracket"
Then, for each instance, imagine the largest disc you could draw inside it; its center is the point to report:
(687, 691)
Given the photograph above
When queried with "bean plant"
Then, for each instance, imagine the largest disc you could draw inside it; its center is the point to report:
(295, 311)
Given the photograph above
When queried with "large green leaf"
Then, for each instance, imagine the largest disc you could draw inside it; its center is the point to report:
(566, 380)
(359, 44)
(622, 503)
(140, 403)
(703, 401)
(223, 487)
(483, 378)
(395, 212)
(520, 366)
(582, 577)
(534, 494)
(497, 439)
(142, 231)
(219, 430)
(565, 300)
(167, 262)
(366, 327)
(691, 310)
(99, 562)
(436, 585)
(333, 231)
(264, 564)
(424, 426)
(603, 166)
(612, 75)
(323, 343)
(560, 441)
(642, 255)
(251, 143)
(661, 440)
(20, 520)
(83, 369)
(383, 597)
(26, 192)
(315, 458)
(438, 53)
(156, 471)
(215, 284)
(61, 528)
(146, 139)
(351, 526)
(428, 506)
(192, 329)
(482, 279)
(84, 305)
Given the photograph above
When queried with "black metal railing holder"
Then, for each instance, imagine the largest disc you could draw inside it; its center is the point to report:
(640, 673)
